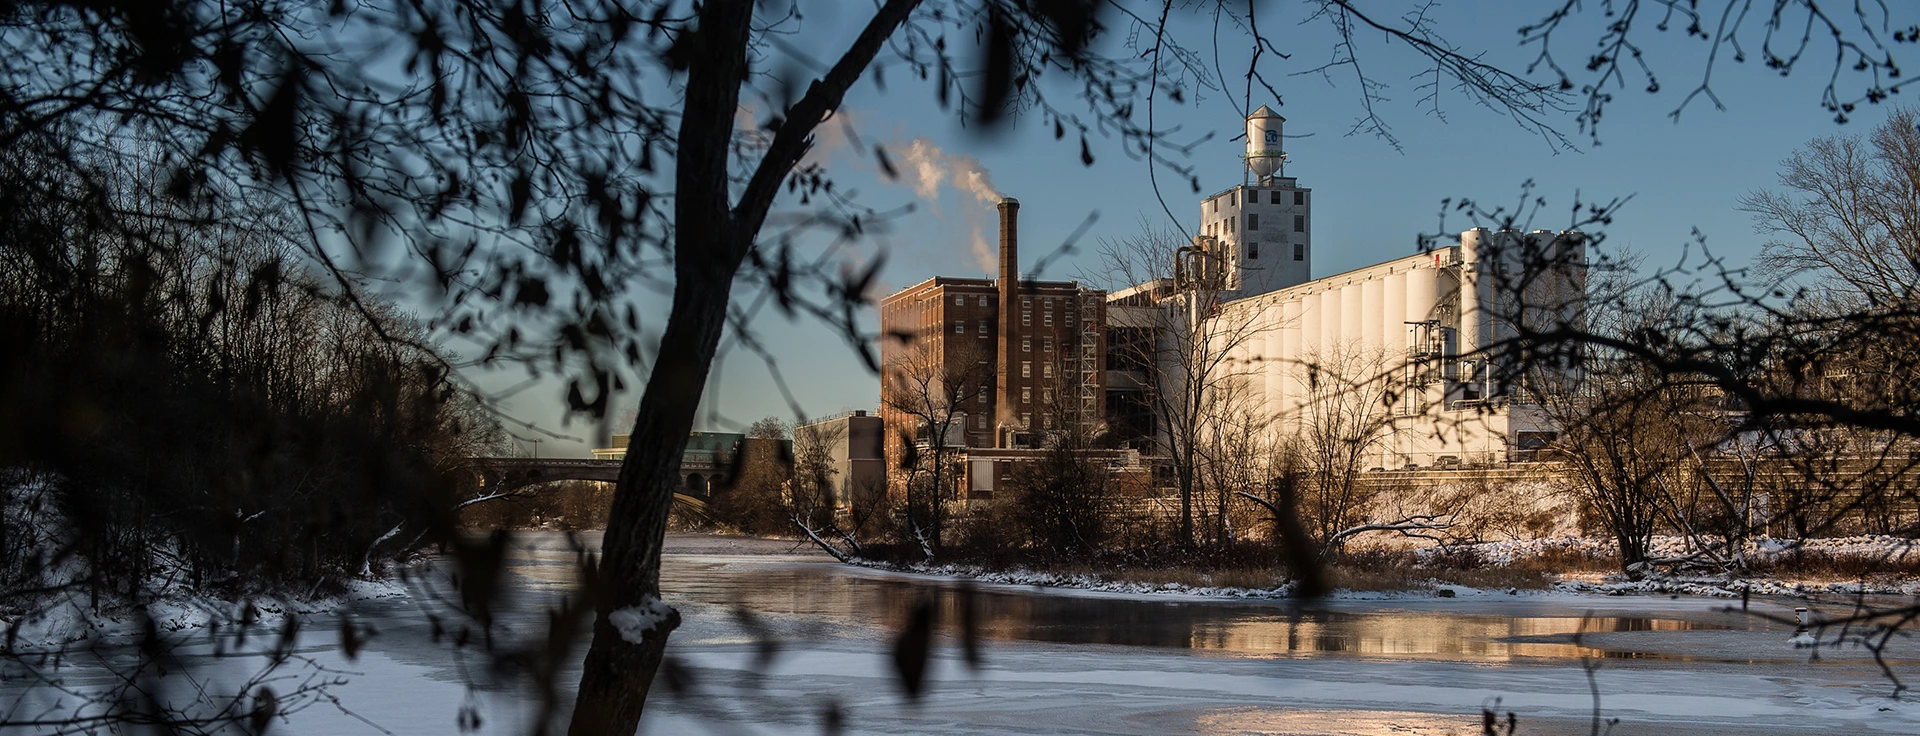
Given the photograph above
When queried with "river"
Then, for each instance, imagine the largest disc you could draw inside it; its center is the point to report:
(776, 637)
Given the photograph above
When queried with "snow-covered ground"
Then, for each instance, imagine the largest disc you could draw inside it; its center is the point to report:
(1122, 662)
(67, 620)
(1508, 552)
(60, 614)
(1515, 552)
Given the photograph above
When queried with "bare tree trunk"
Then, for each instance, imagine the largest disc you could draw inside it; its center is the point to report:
(619, 671)
(1186, 500)
(710, 242)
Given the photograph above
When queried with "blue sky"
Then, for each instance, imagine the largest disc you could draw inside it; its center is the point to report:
(1371, 200)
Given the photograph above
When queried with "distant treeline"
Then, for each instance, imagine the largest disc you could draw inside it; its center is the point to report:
(182, 404)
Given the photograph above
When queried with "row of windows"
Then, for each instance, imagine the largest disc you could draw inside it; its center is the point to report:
(1026, 369)
(1253, 223)
(1273, 197)
(1026, 302)
(1026, 420)
(1026, 343)
(1026, 395)
(1299, 251)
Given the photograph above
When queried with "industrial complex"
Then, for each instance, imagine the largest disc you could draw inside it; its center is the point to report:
(990, 368)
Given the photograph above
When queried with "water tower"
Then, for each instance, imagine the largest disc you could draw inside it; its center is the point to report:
(1264, 157)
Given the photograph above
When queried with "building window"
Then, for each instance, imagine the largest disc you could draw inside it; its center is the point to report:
(1253, 251)
(1046, 344)
(1299, 223)
(1026, 369)
(1229, 223)
(983, 329)
(1299, 197)
(1026, 302)
(1047, 302)
(982, 398)
(1046, 318)
(983, 421)
(1047, 420)
(1046, 395)
(1273, 197)
(983, 301)
(1046, 370)
(1233, 199)
(1026, 420)
(1026, 396)
(1299, 251)
(1216, 204)
(1253, 222)
(1026, 319)
(959, 328)
(1026, 344)
(959, 301)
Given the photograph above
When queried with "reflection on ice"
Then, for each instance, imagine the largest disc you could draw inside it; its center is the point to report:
(1266, 628)
(1322, 722)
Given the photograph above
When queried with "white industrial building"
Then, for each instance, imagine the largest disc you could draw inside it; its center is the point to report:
(1404, 336)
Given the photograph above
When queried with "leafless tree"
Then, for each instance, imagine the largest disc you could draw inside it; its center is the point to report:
(1846, 217)
(1845, 241)
(813, 505)
(1062, 500)
(1347, 412)
(1177, 345)
(1240, 453)
(840, 514)
(934, 388)
(530, 166)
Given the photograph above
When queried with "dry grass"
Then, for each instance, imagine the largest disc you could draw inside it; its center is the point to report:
(1400, 569)
(1822, 564)
(1497, 578)
(1379, 578)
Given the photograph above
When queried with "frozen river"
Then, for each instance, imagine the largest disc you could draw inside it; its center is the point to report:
(1063, 662)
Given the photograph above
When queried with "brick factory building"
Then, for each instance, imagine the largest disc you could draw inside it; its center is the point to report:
(991, 364)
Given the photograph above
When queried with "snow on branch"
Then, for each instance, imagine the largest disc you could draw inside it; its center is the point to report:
(1419, 526)
(821, 543)
(492, 497)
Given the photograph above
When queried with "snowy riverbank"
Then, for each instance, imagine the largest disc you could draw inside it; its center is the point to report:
(1430, 573)
(63, 619)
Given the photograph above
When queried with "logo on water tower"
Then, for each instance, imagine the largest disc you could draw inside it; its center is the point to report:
(1273, 137)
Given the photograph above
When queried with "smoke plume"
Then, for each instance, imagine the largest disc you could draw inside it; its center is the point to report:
(927, 169)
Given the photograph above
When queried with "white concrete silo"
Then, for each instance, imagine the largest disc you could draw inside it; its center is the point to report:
(1472, 315)
(1350, 323)
(1329, 325)
(1393, 325)
(1372, 302)
(1311, 325)
(1291, 330)
(1423, 293)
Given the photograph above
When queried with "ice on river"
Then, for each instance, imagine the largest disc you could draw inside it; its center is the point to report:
(1109, 664)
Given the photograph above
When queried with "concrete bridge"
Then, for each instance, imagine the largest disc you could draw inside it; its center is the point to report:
(507, 474)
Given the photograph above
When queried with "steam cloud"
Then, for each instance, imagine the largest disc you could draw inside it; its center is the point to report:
(921, 164)
(927, 169)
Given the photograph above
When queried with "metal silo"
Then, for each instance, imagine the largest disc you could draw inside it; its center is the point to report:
(1264, 155)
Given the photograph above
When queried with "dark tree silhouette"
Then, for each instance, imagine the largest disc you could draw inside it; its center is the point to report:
(530, 167)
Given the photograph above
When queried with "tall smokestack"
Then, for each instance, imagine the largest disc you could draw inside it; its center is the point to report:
(1006, 413)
